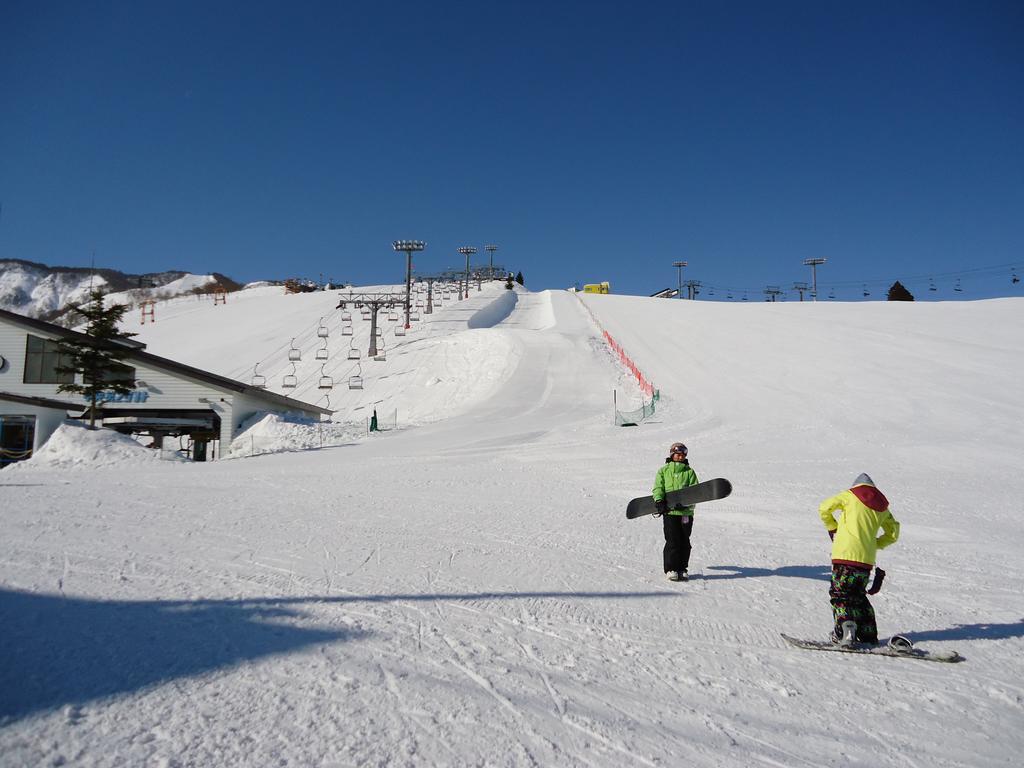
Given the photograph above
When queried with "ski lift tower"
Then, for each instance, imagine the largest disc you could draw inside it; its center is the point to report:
(407, 247)
(679, 271)
(490, 268)
(467, 251)
(430, 293)
(375, 302)
(813, 264)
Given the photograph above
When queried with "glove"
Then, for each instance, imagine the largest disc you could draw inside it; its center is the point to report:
(876, 585)
(832, 535)
(661, 507)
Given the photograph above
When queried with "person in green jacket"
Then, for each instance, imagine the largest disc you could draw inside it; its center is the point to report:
(855, 540)
(677, 522)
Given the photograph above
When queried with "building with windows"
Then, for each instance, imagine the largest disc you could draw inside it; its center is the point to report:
(169, 399)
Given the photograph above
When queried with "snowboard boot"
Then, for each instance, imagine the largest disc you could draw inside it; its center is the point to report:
(684, 575)
(900, 644)
(672, 575)
(849, 636)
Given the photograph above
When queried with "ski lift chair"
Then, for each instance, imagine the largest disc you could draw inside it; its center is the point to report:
(322, 331)
(290, 381)
(392, 316)
(346, 317)
(381, 354)
(322, 354)
(294, 353)
(326, 382)
(258, 379)
(399, 330)
(346, 330)
(355, 381)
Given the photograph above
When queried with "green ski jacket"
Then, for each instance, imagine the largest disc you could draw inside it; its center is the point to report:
(672, 476)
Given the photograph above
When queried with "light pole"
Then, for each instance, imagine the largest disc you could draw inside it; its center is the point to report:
(679, 266)
(813, 264)
(490, 269)
(408, 246)
(467, 251)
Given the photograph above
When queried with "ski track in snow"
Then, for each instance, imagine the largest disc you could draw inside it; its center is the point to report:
(468, 591)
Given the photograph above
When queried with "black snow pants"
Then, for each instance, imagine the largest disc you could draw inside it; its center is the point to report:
(677, 542)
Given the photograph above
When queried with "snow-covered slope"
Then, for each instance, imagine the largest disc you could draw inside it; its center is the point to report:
(468, 591)
(36, 290)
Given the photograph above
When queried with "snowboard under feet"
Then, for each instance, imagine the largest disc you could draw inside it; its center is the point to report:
(874, 650)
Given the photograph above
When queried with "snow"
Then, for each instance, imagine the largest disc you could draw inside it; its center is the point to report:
(75, 446)
(466, 590)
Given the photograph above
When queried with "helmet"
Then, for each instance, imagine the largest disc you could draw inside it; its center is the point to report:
(677, 448)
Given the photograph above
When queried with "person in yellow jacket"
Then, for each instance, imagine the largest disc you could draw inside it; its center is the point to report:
(855, 541)
(677, 523)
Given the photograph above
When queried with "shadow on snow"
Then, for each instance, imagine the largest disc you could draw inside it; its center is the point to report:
(972, 632)
(816, 572)
(59, 650)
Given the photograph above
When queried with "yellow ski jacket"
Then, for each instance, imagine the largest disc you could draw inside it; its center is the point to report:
(864, 510)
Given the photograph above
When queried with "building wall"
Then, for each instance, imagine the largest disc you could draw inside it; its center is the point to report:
(158, 388)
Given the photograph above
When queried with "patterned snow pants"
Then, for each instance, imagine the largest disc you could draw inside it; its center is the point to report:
(850, 601)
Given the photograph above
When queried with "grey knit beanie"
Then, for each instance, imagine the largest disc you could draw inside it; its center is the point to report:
(864, 479)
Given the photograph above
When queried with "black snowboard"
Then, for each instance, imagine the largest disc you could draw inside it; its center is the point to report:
(709, 490)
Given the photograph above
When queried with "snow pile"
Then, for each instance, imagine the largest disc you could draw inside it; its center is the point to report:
(75, 446)
(273, 433)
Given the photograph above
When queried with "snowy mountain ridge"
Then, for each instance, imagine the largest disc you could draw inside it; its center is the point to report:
(44, 292)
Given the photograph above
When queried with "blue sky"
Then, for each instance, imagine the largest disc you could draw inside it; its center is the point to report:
(590, 141)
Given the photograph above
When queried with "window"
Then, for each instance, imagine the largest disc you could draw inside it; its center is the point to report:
(118, 372)
(42, 358)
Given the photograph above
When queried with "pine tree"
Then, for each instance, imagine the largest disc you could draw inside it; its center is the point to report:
(519, 278)
(98, 357)
(899, 293)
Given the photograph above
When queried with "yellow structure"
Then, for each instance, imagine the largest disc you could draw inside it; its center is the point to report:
(604, 287)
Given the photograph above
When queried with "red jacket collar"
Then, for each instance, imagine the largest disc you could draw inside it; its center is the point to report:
(871, 497)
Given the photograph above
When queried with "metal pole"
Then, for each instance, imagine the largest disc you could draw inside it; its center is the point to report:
(408, 285)
(813, 264)
(490, 269)
(468, 250)
(408, 246)
(679, 267)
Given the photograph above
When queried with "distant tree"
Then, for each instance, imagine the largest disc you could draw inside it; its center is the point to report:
(899, 293)
(98, 357)
(519, 278)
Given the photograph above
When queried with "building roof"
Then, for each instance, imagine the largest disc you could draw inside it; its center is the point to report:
(162, 363)
(43, 402)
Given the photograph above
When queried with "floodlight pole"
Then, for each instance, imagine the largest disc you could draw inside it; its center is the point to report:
(408, 246)
(490, 269)
(813, 264)
(679, 267)
(467, 251)
(430, 295)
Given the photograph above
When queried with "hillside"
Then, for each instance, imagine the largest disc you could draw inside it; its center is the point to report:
(467, 591)
(41, 291)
